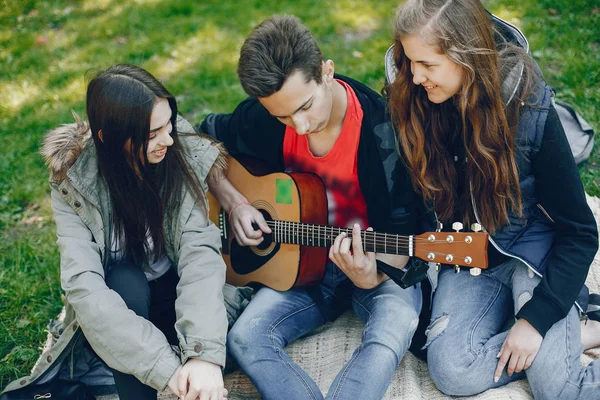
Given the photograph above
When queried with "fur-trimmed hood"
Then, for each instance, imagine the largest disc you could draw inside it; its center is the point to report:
(63, 145)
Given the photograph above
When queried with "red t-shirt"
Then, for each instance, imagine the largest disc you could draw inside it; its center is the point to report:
(338, 168)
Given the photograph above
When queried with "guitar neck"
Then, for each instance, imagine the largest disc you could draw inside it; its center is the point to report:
(324, 236)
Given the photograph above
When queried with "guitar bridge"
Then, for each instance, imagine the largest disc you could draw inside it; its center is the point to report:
(224, 229)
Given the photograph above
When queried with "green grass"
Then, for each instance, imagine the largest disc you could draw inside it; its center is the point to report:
(49, 48)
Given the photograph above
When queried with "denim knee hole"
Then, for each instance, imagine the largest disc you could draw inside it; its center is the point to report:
(436, 328)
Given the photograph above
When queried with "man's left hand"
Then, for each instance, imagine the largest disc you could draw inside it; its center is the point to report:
(359, 266)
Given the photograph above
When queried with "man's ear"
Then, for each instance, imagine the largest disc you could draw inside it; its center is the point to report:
(328, 69)
(100, 136)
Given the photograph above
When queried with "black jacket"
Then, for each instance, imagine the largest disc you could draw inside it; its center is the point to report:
(392, 205)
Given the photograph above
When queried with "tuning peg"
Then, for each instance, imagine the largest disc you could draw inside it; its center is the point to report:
(439, 226)
(437, 266)
(475, 227)
(456, 269)
(475, 271)
(457, 226)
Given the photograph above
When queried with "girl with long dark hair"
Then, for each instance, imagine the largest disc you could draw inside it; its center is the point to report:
(140, 261)
(484, 145)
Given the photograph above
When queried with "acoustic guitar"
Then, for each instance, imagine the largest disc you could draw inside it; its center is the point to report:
(295, 253)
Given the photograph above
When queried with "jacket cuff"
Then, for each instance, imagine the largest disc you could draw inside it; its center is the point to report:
(208, 126)
(205, 350)
(163, 370)
(540, 314)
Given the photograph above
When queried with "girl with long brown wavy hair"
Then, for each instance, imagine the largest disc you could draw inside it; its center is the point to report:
(484, 145)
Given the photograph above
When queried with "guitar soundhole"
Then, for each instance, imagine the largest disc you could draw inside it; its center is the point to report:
(247, 259)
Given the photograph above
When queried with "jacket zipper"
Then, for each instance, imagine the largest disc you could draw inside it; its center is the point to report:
(545, 212)
(492, 240)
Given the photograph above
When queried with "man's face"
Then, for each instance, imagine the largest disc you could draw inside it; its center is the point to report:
(304, 106)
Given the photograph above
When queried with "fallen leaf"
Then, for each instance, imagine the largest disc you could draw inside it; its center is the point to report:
(41, 40)
(23, 323)
(35, 219)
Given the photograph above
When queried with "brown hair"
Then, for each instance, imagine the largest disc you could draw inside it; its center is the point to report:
(275, 49)
(485, 125)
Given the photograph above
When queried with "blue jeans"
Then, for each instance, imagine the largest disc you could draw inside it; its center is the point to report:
(469, 323)
(274, 319)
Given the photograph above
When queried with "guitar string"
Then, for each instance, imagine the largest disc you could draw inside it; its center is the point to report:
(306, 230)
(302, 226)
(301, 233)
(309, 232)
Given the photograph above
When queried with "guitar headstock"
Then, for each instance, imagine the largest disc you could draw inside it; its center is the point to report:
(467, 249)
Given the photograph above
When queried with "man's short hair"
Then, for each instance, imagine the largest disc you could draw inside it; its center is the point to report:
(275, 49)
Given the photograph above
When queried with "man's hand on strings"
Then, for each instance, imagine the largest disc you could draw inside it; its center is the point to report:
(361, 267)
(244, 218)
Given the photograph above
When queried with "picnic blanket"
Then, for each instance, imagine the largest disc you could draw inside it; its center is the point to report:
(323, 353)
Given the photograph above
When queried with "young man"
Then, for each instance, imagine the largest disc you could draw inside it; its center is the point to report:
(302, 118)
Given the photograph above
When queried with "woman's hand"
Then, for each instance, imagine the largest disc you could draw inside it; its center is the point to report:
(200, 380)
(520, 347)
(173, 382)
(359, 266)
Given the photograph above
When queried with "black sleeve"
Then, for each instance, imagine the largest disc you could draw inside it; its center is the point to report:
(560, 192)
(250, 131)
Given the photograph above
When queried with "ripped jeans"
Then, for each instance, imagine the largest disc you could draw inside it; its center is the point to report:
(275, 319)
(470, 318)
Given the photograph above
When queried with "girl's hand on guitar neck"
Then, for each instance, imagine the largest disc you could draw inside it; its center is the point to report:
(243, 219)
(359, 267)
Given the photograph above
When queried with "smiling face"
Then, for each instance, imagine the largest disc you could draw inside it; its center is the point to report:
(440, 77)
(304, 106)
(159, 138)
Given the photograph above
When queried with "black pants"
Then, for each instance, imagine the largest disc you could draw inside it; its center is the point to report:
(153, 300)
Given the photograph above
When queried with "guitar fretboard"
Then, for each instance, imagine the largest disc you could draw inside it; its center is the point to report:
(324, 236)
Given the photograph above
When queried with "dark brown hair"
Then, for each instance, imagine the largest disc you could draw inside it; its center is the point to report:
(119, 103)
(275, 49)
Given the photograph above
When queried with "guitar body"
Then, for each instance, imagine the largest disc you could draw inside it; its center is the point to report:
(296, 197)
